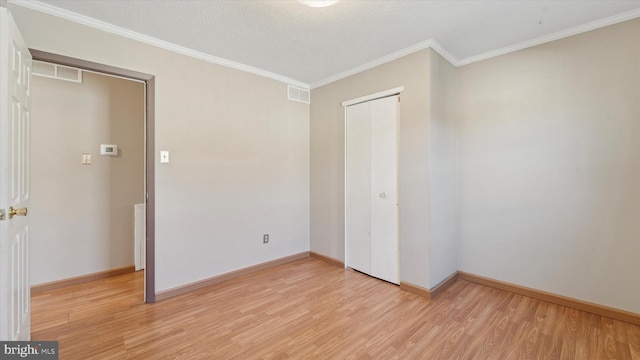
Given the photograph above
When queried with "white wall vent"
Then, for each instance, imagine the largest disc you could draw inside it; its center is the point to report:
(298, 94)
(55, 71)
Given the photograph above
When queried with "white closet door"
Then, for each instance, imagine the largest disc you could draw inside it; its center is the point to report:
(358, 187)
(384, 189)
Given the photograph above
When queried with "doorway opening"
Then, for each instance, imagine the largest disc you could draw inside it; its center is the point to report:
(149, 146)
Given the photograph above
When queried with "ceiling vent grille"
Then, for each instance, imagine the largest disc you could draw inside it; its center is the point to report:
(54, 71)
(298, 94)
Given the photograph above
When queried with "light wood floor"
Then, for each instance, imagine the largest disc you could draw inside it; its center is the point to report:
(308, 309)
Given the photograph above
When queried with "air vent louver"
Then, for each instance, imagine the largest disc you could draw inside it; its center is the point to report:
(298, 94)
(55, 71)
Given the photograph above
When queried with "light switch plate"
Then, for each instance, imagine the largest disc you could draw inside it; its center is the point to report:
(86, 159)
(164, 156)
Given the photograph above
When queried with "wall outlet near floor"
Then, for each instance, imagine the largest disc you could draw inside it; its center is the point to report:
(265, 238)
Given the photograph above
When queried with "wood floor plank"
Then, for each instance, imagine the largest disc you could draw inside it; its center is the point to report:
(634, 341)
(308, 309)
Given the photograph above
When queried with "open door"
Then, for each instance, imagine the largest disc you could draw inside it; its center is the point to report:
(15, 79)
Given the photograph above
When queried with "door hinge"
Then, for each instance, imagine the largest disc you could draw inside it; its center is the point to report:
(2, 214)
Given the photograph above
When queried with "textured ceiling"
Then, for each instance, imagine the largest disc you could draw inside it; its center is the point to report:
(312, 45)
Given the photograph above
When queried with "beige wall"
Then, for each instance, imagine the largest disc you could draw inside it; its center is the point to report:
(82, 215)
(327, 160)
(443, 214)
(549, 171)
(239, 153)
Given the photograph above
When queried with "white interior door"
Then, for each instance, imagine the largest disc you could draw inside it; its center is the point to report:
(371, 209)
(384, 189)
(358, 187)
(15, 79)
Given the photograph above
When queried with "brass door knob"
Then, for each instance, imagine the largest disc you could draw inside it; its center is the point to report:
(20, 212)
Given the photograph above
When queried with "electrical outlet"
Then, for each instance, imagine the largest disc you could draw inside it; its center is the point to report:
(265, 238)
(164, 156)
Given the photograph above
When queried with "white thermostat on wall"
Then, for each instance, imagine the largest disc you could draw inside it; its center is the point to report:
(108, 149)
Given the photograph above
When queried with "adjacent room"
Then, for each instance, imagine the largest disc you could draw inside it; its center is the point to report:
(322, 179)
(85, 112)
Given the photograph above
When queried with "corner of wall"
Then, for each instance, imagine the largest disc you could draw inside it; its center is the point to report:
(442, 188)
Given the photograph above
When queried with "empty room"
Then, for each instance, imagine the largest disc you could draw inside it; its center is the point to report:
(321, 179)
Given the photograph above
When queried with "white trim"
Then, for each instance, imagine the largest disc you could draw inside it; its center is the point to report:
(104, 26)
(435, 46)
(344, 202)
(114, 76)
(431, 43)
(371, 64)
(611, 20)
(378, 95)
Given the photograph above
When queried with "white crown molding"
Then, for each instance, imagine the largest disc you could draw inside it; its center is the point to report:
(104, 26)
(431, 43)
(371, 64)
(435, 46)
(552, 37)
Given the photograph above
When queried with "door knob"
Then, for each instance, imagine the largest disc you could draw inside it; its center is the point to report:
(383, 195)
(20, 212)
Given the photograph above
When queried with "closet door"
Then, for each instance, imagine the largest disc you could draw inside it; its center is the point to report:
(384, 189)
(358, 187)
(371, 188)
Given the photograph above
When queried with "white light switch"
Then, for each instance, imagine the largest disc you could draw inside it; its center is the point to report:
(86, 159)
(164, 156)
